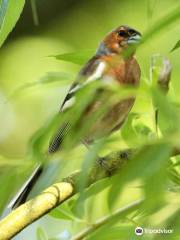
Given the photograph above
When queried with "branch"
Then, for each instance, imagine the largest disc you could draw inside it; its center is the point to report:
(53, 196)
(108, 219)
(35, 208)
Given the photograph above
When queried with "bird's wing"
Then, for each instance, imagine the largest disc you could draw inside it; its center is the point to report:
(92, 71)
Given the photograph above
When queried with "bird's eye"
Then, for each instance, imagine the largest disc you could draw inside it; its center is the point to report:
(131, 31)
(122, 33)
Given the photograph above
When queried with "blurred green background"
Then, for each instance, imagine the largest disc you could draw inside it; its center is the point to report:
(69, 26)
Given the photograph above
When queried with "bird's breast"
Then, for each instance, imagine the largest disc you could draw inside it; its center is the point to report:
(125, 72)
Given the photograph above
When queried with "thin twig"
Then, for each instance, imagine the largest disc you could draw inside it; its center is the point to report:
(34, 12)
(108, 219)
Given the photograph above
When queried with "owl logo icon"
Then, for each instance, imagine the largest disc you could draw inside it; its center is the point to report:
(139, 231)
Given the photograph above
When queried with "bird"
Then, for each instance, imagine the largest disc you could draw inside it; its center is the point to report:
(113, 62)
(109, 64)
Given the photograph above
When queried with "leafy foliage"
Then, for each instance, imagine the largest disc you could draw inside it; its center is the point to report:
(79, 57)
(176, 46)
(41, 235)
(9, 13)
(152, 174)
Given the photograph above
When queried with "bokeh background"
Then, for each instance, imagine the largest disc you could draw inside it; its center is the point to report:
(67, 26)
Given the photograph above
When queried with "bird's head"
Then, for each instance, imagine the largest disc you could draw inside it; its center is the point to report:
(119, 40)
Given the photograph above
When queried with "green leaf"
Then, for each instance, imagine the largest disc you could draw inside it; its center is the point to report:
(49, 78)
(7, 185)
(62, 212)
(41, 235)
(163, 23)
(10, 11)
(174, 221)
(168, 118)
(142, 130)
(134, 131)
(113, 233)
(79, 57)
(127, 130)
(87, 164)
(151, 4)
(174, 175)
(147, 163)
(107, 221)
(177, 45)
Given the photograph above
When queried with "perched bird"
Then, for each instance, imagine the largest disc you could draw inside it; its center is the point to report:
(113, 63)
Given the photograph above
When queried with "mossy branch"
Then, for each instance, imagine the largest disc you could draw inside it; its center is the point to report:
(35, 208)
(53, 196)
(27, 213)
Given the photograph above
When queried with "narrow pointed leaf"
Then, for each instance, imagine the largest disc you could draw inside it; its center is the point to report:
(79, 57)
(176, 46)
(10, 11)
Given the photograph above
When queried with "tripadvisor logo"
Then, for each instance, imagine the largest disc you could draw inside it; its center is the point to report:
(139, 231)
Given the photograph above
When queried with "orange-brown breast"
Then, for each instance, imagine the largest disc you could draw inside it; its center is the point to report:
(125, 71)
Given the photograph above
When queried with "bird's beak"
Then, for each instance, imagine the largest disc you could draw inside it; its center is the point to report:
(134, 39)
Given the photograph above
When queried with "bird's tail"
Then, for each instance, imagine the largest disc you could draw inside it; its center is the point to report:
(57, 140)
(23, 193)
